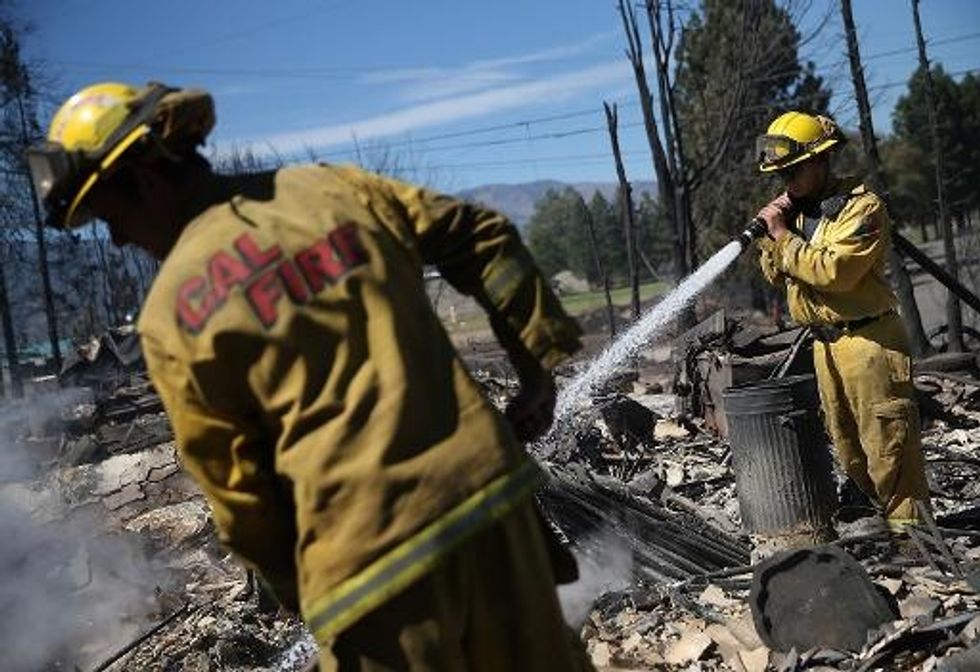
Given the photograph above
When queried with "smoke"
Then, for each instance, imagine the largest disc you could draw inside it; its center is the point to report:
(70, 591)
(605, 563)
(23, 421)
(66, 596)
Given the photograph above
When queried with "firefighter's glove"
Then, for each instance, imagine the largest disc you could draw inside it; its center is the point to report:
(531, 412)
(774, 215)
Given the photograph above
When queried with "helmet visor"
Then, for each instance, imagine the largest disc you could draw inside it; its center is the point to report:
(57, 175)
(774, 150)
(50, 167)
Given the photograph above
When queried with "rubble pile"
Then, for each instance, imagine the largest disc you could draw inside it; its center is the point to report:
(228, 630)
(693, 614)
(641, 487)
(950, 405)
(131, 555)
(706, 625)
(128, 419)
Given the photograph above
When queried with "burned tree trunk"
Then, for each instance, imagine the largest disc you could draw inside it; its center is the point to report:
(9, 341)
(900, 276)
(663, 45)
(600, 267)
(625, 210)
(42, 251)
(953, 316)
(661, 166)
(673, 183)
(144, 266)
(107, 285)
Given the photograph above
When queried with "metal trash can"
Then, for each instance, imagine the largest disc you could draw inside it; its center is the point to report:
(783, 470)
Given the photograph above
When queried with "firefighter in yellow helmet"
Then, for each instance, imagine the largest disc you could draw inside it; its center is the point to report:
(827, 245)
(345, 450)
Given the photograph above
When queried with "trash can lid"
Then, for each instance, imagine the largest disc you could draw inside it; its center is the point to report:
(818, 596)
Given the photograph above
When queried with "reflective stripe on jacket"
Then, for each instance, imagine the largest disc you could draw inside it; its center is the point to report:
(399, 567)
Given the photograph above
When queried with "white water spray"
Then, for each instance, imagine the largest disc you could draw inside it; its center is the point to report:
(641, 333)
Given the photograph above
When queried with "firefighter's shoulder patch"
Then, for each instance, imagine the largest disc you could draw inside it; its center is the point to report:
(868, 227)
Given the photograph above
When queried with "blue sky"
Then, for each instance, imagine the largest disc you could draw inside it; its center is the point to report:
(461, 93)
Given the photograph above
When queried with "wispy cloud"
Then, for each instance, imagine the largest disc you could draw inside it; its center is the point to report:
(549, 54)
(419, 84)
(435, 83)
(552, 88)
(543, 55)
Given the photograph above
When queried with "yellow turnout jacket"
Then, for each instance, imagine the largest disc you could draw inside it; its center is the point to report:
(314, 393)
(839, 273)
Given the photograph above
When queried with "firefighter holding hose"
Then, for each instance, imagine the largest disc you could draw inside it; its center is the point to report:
(827, 244)
(345, 450)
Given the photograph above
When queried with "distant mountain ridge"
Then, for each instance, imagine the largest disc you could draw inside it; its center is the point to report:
(517, 200)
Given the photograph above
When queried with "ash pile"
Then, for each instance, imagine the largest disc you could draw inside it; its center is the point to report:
(643, 489)
(109, 559)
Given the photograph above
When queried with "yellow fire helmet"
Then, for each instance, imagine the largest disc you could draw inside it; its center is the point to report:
(795, 137)
(99, 125)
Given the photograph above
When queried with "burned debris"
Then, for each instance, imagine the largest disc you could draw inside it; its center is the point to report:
(788, 581)
(689, 559)
(111, 560)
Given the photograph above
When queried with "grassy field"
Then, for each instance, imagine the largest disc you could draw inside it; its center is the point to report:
(577, 304)
(463, 317)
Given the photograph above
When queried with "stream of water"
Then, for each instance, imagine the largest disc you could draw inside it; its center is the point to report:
(647, 328)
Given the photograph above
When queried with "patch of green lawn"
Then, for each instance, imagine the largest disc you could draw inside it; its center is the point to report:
(577, 304)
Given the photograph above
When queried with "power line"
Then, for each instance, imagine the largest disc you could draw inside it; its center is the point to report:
(355, 72)
(560, 159)
(628, 102)
(932, 43)
(248, 30)
(527, 138)
(593, 129)
(508, 126)
(835, 68)
(605, 156)
(521, 124)
(331, 74)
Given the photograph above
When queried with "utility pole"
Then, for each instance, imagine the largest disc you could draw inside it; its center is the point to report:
(906, 293)
(953, 315)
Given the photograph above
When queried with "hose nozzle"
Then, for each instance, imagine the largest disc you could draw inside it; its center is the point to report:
(756, 229)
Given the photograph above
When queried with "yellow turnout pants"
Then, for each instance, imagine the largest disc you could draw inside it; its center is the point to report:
(871, 414)
(491, 605)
